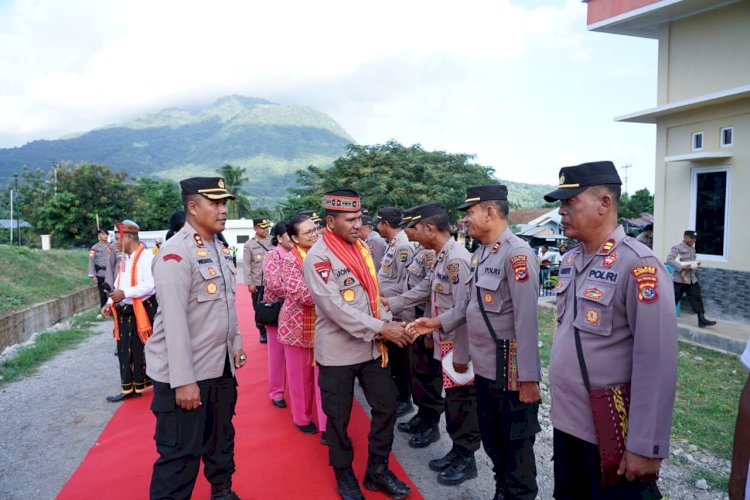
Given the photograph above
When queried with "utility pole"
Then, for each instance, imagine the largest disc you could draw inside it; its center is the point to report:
(11, 216)
(54, 167)
(625, 168)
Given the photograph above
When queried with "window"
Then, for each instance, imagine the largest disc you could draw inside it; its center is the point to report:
(242, 238)
(710, 211)
(697, 141)
(727, 136)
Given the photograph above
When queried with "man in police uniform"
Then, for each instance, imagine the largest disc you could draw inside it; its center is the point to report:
(252, 264)
(350, 332)
(501, 318)
(98, 256)
(446, 287)
(195, 349)
(682, 258)
(114, 254)
(375, 243)
(614, 300)
(392, 274)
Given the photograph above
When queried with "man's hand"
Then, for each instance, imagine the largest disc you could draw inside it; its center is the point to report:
(460, 367)
(93, 280)
(106, 310)
(116, 295)
(422, 326)
(252, 288)
(634, 466)
(395, 333)
(239, 359)
(188, 397)
(384, 303)
(529, 392)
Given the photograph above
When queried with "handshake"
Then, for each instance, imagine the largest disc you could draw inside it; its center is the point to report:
(402, 334)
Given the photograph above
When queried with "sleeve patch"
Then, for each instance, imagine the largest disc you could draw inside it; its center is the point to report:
(520, 267)
(403, 255)
(172, 256)
(324, 270)
(646, 279)
(91, 252)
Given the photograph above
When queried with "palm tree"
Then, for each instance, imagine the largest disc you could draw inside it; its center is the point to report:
(234, 177)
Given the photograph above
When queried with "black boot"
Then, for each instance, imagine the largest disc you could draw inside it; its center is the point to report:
(412, 426)
(464, 467)
(702, 321)
(223, 492)
(428, 434)
(347, 485)
(440, 464)
(380, 478)
(403, 408)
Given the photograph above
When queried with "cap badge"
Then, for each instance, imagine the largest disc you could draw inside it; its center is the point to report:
(562, 180)
(221, 183)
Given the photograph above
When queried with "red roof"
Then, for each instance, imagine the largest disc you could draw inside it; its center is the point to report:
(526, 215)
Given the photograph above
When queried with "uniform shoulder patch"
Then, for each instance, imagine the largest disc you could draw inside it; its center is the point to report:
(324, 270)
(646, 280)
(520, 267)
(91, 252)
(172, 256)
(403, 255)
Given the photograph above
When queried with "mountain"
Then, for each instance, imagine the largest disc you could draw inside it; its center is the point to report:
(271, 140)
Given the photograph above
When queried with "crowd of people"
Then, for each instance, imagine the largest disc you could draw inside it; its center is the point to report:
(419, 322)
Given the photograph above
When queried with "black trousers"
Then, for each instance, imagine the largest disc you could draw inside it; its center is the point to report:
(398, 360)
(336, 394)
(508, 429)
(102, 294)
(426, 381)
(130, 353)
(577, 473)
(693, 293)
(258, 296)
(461, 419)
(184, 438)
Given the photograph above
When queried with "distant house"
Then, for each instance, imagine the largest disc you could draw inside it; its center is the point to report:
(15, 223)
(636, 224)
(537, 225)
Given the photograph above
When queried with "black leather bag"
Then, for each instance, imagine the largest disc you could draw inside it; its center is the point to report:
(267, 312)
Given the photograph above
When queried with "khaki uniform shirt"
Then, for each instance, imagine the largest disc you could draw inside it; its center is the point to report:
(622, 303)
(98, 257)
(195, 327)
(679, 254)
(345, 327)
(377, 246)
(252, 260)
(419, 270)
(110, 273)
(505, 272)
(397, 258)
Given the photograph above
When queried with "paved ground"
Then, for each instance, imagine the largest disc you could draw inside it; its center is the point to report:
(49, 421)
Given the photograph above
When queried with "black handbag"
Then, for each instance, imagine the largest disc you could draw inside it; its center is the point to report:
(267, 312)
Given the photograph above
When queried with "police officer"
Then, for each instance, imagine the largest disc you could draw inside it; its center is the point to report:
(98, 256)
(349, 343)
(682, 258)
(447, 289)
(501, 318)
(195, 349)
(392, 274)
(375, 243)
(616, 325)
(252, 264)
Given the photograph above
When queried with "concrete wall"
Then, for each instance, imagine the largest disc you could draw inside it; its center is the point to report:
(726, 294)
(19, 327)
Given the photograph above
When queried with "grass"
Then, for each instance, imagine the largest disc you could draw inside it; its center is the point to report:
(32, 276)
(708, 390)
(46, 346)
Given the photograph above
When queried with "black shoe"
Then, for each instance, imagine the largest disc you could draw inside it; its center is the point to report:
(462, 469)
(122, 397)
(412, 426)
(403, 408)
(425, 437)
(263, 338)
(380, 478)
(279, 403)
(323, 439)
(440, 464)
(347, 485)
(223, 492)
(706, 322)
(308, 429)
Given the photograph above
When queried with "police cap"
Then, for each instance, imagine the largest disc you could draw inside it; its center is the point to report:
(486, 192)
(574, 180)
(212, 188)
(427, 210)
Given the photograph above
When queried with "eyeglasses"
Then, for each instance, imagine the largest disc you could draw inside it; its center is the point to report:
(309, 233)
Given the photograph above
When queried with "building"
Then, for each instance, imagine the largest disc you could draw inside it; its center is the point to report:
(702, 118)
(537, 226)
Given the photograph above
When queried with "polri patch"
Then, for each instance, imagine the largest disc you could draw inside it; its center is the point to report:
(403, 255)
(610, 259)
(603, 275)
(646, 279)
(171, 256)
(324, 270)
(520, 267)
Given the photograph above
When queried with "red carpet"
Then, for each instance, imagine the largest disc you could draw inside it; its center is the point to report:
(273, 459)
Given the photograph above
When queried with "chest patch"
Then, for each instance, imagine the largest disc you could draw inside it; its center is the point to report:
(202, 253)
(610, 260)
(603, 275)
(349, 281)
(348, 295)
(488, 298)
(592, 316)
(593, 294)
(211, 288)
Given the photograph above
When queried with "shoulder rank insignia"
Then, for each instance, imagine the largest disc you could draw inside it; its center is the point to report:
(520, 267)
(646, 279)
(211, 288)
(571, 258)
(202, 253)
(171, 256)
(226, 250)
(324, 270)
(198, 239)
(608, 245)
(610, 259)
(496, 247)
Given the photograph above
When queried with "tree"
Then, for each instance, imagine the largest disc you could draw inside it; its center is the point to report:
(155, 202)
(633, 206)
(391, 175)
(234, 177)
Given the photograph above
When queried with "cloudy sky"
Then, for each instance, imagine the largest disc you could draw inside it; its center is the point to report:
(519, 83)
